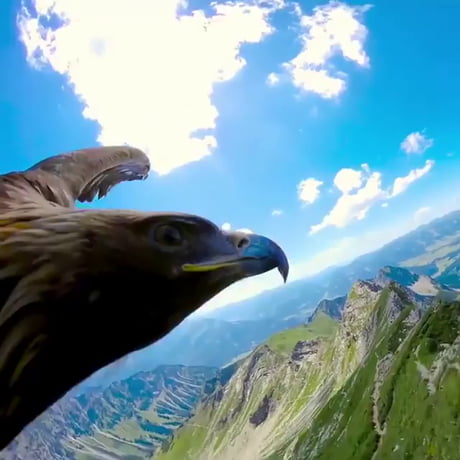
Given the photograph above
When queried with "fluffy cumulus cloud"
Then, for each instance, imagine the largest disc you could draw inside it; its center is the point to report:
(416, 143)
(273, 79)
(360, 191)
(277, 212)
(348, 179)
(334, 29)
(145, 72)
(308, 190)
(353, 206)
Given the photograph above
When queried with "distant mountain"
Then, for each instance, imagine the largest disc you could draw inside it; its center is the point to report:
(331, 307)
(423, 285)
(432, 249)
(131, 418)
(198, 341)
(384, 383)
(293, 300)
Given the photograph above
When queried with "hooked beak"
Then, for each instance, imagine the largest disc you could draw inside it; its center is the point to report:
(258, 254)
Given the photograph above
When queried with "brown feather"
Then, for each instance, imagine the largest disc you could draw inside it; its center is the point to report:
(80, 175)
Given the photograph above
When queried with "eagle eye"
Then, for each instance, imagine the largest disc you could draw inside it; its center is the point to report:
(168, 235)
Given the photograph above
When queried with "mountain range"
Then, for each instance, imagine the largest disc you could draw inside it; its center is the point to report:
(134, 416)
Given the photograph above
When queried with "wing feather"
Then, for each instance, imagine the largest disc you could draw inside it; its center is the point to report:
(87, 173)
(80, 175)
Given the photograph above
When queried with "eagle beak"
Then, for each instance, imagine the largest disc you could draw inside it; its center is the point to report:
(256, 254)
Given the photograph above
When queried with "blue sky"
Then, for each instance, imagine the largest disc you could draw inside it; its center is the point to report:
(307, 112)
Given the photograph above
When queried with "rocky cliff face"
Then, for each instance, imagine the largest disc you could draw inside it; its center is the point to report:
(301, 404)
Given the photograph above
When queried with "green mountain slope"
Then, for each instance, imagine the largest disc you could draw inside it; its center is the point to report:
(383, 384)
(403, 402)
(285, 341)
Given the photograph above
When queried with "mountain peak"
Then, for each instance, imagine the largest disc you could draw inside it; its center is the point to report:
(280, 387)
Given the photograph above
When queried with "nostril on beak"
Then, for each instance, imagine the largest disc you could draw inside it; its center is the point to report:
(242, 242)
(239, 240)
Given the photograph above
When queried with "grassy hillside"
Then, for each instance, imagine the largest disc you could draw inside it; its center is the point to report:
(284, 342)
(404, 402)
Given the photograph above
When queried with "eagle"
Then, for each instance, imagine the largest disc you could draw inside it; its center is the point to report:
(81, 288)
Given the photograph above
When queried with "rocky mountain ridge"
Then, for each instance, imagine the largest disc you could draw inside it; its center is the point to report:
(273, 401)
(331, 307)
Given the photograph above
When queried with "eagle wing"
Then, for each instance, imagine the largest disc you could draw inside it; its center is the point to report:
(79, 175)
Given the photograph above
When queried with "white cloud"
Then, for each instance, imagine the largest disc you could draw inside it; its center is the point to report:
(308, 190)
(245, 230)
(355, 206)
(273, 79)
(348, 179)
(385, 205)
(333, 29)
(277, 212)
(144, 69)
(416, 143)
(227, 227)
(317, 81)
(402, 183)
